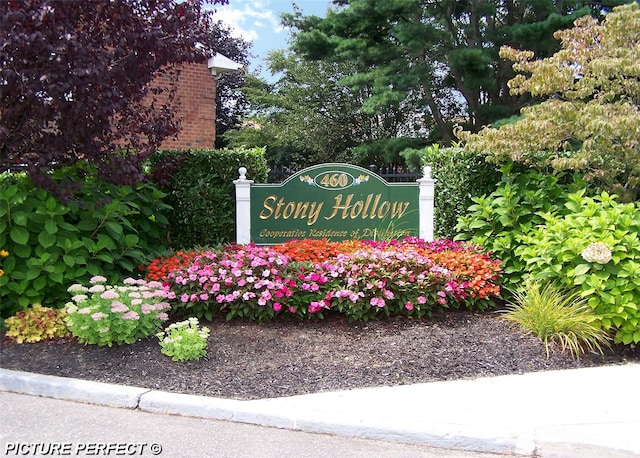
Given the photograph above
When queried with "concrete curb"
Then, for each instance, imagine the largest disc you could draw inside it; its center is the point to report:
(415, 414)
(268, 412)
(70, 389)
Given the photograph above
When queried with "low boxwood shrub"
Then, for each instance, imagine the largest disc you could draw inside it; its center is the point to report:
(103, 230)
(594, 247)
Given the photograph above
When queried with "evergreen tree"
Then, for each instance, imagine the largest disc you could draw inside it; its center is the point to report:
(442, 53)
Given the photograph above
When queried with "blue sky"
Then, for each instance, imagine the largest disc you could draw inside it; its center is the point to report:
(258, 21)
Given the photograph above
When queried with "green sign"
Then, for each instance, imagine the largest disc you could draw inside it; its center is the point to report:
(336, 202)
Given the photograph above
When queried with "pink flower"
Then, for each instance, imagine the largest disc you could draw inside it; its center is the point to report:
(377, 302)
(147, 308)
(184, 298)
(130, 315)
(422, 300)
(163, 306)
(98, 316)
(84, 311)
(117, 307)
(408, 305)
(204, 297)
(292, 310)
(162, 316)
(109, 294)
(277, 306)
(315, 307)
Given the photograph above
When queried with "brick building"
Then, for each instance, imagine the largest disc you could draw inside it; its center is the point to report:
(197, 97)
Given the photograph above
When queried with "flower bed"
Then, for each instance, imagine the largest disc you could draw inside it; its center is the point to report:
(361, 279)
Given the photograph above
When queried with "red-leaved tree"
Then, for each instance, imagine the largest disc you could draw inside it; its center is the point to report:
(74, 81)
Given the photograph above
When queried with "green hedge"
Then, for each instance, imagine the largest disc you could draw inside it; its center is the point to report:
(461, 176)
(103, 230)
(199, 187)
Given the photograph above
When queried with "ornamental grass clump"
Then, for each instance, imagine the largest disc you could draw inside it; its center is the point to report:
(557, 317)
(106, 314)
(184, 341)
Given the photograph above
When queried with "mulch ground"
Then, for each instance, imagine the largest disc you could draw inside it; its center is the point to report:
(248, 360)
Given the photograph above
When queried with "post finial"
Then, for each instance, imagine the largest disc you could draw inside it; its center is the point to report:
(426, 171)
(243, 173)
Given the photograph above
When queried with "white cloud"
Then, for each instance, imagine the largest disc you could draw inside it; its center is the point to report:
(249, 22)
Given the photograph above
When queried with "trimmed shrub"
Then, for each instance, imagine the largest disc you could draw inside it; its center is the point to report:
(199, 187)
(461, 176)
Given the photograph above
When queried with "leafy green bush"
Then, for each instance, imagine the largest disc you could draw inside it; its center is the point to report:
(184, 341)
(557, 316)
(461, 175)
(199, 187)
(104, 229)
(595, 248)
(36, 323)
(498, 221)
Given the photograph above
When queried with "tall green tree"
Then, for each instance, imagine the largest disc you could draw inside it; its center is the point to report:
(307, 116)
(589, 120)
(443, 53)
